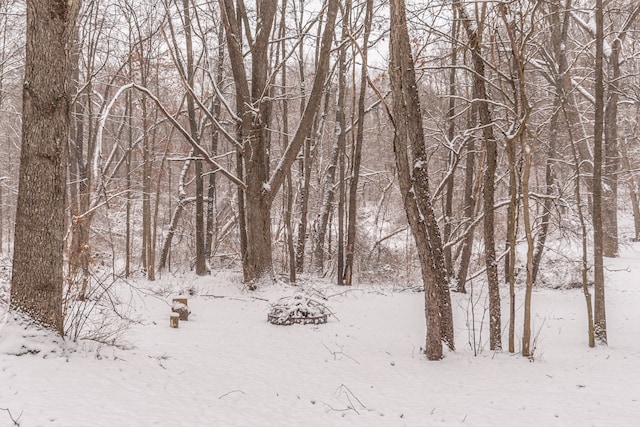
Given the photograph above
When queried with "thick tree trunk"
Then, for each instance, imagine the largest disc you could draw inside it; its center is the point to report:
(36, 287)
(253, 109)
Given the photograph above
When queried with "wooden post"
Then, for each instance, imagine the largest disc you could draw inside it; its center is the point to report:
(180, 306)
(174, 320)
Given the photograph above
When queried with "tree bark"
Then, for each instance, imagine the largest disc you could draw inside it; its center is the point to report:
(329, 188)
(469, 213)
(357, 152)
(512, 220)
(414, 185)
(491, 158)
(253, 107)
(600, 322)
(611, 166)
(451, 129)
(212, 224)
(36, 286)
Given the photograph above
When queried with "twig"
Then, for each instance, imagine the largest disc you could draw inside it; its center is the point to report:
(14, 420)
(335, 353)
(230, 298)
(614, 270)
(232, 391)
(337, 410)
(342, 293)
(348, 393)
(160, 359)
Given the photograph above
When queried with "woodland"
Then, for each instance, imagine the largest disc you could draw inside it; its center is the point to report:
(427, 142)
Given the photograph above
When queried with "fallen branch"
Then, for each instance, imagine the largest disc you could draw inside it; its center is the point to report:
(336, 353)
(343, 389)
(232, 391)
(14, 420)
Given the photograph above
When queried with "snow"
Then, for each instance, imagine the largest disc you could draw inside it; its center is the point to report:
(227, 366)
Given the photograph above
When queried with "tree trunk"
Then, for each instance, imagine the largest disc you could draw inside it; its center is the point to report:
(212, 224)
(177, 212)
(253, 109)
(451, 129)
(600, 322)
(291, 251)
(585, 252)
(611, 166)
(306, 165)
(305, 159)
(338, 154)
(328, 191)
(147, 244)
(36, 286)
(469, 211)
(491, 157)
(81, 150)
(357, 152)
(129, 112)
(512, 219)
(527, 351)
(414, 185)
(633, 192)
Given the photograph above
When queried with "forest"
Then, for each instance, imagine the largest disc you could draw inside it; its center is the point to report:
(194, 144)
(342, 156)
(473, 152)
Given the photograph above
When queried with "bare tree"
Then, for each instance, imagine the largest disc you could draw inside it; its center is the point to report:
(474, 35)
(253, 107)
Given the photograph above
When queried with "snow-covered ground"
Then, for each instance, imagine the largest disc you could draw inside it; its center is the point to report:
(227, 366)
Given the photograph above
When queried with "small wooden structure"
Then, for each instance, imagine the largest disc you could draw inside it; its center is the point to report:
(174, 320)
(180, 305)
